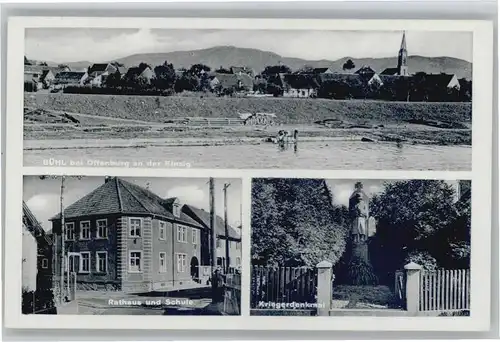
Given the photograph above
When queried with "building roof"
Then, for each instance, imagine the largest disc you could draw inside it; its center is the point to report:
(33, 226)
(70, 75)
(29, 78)
(203, 217)
(438, 80)
(98, 68)
(390, 71)
(299, 81)
(231, 80)
(349, 79)
(137, 71)
(365, 70)
(45, 73)
(403, 41)
(242, 69)
(38, 69)
(320, 70)
(117, 196)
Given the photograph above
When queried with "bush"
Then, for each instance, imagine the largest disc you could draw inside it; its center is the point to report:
(39, 301)
(361, 272)
(118, 91)
(455, 313)
(378, 295)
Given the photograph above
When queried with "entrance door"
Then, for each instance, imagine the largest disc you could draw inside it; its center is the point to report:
(195, 269)
(73, 263)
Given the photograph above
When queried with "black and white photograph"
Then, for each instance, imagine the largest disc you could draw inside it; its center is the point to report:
(248, 99)
(336, 247)
(131, 246)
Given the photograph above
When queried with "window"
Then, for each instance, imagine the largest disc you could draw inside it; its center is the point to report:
(181, 262)
(134, 263)
(163, 230)
(194, 237)
(102, 229)
(85, 230)
(238, 261)
(238, 245)
(163, 262)
(85, 262)
(45, 263)
(70, 231)
(177, 210)
(102, 262)
(135, 226)
(219, 243)
(181, 233)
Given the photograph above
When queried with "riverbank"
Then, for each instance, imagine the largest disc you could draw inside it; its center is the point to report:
(288, 110)
(151, 135)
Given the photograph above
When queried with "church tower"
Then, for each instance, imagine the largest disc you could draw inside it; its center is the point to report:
(402, 58)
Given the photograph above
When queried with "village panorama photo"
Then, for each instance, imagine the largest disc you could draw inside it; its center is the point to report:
(324, 247)
(131, 246)
(248, 98)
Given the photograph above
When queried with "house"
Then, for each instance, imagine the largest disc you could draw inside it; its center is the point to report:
(226, 83)
(238, 70)
(369, 75)
(390, 72)
(99, 72)
(442, 81)
(233, 238)
(31, 83)
(123, 236)
(47, 78)
(36, 254)
(37, 70)
(299, 85)
(322, 71)
(69, 78)
(143, 71)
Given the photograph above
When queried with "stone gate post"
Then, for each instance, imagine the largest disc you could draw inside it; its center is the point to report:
(324, 295)
(413, 287)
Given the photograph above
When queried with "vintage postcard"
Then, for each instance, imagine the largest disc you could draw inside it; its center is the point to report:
(237, 169)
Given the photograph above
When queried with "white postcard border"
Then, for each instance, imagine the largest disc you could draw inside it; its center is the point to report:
(480, 175)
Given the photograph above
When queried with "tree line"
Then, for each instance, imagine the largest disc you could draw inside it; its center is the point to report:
(167, 81)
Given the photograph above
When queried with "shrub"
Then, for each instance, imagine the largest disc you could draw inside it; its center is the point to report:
(361, 273)
(39, 301)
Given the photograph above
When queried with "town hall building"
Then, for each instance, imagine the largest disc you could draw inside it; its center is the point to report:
(124, 237)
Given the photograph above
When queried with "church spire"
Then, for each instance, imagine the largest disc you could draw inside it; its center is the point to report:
(403, 41)
(402, 57)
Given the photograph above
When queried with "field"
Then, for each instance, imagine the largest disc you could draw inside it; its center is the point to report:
(69, 116)
(289, 111)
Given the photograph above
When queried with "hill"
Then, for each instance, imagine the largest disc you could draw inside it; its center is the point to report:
(227, 56)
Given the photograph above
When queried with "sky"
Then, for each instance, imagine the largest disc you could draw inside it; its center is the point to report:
(43, 196)
(342, 189)
(97, 45)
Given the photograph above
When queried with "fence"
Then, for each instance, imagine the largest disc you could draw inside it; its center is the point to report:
(400, 287)
(232, 294)
(444, 290)
(283, 285)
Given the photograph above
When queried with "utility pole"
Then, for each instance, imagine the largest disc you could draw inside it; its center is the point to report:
(62, 240)
(226, 230)
(213, 231)
(215, 275)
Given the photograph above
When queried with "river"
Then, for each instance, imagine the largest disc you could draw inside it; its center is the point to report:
(334, 155)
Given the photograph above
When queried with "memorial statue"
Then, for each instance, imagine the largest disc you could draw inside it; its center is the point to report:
(360, 214)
